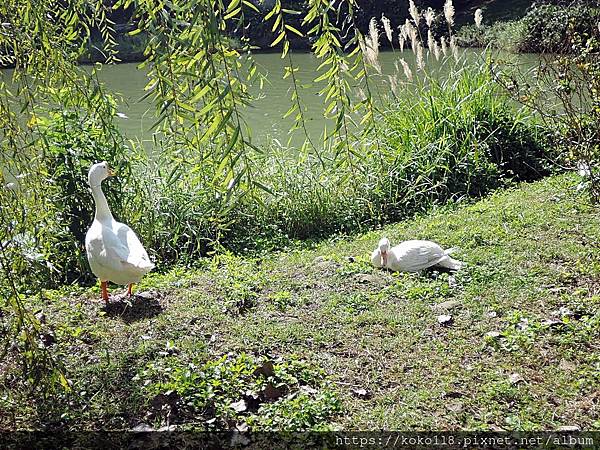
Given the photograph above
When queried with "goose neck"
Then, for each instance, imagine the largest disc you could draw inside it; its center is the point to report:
(102, 210)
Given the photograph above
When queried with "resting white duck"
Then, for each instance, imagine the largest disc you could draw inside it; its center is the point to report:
(413, 256)
(114, 251)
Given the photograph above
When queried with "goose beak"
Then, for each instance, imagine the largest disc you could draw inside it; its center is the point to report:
(111, 173)
(384, 258)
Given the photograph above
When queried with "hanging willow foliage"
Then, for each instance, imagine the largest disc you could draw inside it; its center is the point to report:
(43, 41)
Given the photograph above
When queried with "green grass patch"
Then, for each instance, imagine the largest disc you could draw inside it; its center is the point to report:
(331, 343)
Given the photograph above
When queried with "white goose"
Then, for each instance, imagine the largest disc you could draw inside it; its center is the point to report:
(413, 256)
(114, 251)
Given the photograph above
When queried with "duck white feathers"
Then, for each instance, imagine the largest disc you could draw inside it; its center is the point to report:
(413, 256)
(113, 250)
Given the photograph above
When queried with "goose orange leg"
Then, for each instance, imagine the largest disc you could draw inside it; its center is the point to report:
(129, 288)
(103, 286)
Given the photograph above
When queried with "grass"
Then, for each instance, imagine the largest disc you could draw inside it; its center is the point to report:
(451, 136)
(317, 339)
(454, 134)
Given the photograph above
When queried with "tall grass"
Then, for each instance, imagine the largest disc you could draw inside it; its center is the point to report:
(454, 137)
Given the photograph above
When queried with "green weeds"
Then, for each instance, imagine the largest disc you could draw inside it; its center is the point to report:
(329, 342)
(238, 391)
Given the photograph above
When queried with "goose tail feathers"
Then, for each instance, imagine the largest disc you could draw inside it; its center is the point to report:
(142, 264)
(451, 263)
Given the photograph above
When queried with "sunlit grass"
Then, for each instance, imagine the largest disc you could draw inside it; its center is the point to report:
(351, 346)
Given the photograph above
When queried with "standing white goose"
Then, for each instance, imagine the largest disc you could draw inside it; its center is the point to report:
(114, 251)
(413, 256)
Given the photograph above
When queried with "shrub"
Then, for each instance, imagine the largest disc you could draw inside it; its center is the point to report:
(572, 83)
(548, 28)
(501, 35)
(544, 29)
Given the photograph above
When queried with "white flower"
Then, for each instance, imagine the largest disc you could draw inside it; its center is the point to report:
(404, 30)
(401, 41)
(373, 35)
(407, 72)
(411, 31)
(444, 46)
(449, 12)
(370, 46)
(420, 60)
(414, 12)
(429, 16)
(387, 26)
(436, 50)
(430, 40)
(454, 47)
(478, 17)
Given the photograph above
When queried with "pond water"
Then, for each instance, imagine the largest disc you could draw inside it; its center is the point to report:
(265, 117)
(271, 101)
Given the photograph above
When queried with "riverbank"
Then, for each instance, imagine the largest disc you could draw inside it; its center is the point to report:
(260, 36)
(524, 27)
(545, 28)
(317, 339)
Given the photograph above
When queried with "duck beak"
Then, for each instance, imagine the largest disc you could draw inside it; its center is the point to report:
(384, 258)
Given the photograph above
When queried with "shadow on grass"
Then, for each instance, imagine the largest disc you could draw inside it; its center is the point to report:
(132, 309)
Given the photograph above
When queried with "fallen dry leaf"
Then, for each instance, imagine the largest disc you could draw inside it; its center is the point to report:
(267, 369)
(271, 392)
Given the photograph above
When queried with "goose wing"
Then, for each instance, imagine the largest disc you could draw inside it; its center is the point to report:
(136, 253)
(413, 256)
(116, 248)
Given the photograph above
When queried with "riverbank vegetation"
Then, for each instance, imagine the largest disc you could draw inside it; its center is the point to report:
(545, 28)
(432, 137)
(318, 339)
(393, 147)
(258, 33)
